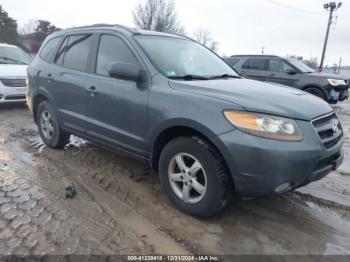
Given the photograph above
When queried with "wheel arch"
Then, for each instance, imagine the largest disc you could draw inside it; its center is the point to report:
(319, 87)
(38, 97)
(170, 132)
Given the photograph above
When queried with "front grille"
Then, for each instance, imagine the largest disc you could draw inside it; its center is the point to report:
(14, 82)
(329, 129)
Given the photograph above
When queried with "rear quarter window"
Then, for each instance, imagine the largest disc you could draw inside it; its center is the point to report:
(49, 49)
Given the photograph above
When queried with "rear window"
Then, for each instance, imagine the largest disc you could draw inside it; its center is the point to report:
(49, 49)
(77, 52)
(255, 64)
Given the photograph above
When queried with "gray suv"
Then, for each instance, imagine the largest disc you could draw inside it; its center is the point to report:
(172, 102)
(291, 72)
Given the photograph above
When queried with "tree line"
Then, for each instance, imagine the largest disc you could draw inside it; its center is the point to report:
(9, 31)
(156, 15)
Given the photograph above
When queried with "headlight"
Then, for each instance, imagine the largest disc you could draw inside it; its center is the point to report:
(336, 82)
(267, 126)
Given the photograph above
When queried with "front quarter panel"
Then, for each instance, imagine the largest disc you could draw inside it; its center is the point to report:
(169, 107)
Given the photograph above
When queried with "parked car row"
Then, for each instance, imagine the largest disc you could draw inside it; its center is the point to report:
(172, 102)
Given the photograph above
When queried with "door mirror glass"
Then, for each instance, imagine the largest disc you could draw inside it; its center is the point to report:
(126, 71)
(291, 71)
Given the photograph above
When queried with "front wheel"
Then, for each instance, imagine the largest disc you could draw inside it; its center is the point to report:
(194, 176)
(316, 91)
(49, 127)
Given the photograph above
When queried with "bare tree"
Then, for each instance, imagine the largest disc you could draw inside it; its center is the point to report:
(203, 36)
(157, 15)
(28, 27)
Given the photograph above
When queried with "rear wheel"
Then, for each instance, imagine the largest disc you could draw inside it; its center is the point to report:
(49, 127)
(194, 177)
(316, 91)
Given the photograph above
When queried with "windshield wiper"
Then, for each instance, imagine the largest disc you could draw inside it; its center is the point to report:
(13, 60)
(190, 77)
(224, 76)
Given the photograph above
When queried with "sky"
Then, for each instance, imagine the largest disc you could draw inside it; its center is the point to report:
(282, 27)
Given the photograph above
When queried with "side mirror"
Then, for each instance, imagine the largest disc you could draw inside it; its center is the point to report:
(291, 72)
(126, 71)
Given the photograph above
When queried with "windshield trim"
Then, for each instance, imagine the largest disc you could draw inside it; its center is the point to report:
(177, 37)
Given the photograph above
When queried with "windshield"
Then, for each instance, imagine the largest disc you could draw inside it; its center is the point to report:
(300, 65)
(13, 55)
(176, 57)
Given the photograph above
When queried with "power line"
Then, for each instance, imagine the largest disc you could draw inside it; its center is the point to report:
(295, 8)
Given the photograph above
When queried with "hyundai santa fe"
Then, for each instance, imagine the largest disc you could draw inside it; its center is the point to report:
(170, 101)
(292, 72)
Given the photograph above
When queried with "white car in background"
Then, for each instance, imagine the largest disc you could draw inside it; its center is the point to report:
(13, 74)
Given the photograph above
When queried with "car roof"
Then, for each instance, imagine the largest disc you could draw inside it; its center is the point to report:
(118, 28)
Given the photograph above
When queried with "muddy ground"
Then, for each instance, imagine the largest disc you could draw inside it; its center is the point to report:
(119, 207)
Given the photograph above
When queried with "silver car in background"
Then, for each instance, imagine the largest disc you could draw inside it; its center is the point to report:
(13, 74)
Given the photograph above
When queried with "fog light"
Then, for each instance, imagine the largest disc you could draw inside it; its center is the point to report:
(283, 188)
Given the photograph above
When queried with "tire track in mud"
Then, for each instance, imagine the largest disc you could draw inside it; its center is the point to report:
(125, 181)
(259, 226)
(162, 241)
(319, 201)
(123, 178)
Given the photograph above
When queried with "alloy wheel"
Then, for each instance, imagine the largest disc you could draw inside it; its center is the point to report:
(47, 124)
(187, 178)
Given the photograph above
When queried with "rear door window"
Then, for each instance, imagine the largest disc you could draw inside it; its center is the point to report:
(255, 64)
(49, 49)
(112, 49)
(77, 52)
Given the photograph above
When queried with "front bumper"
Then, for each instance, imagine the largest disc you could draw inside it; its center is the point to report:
(259, 166)
(12, 94)
(339, 93)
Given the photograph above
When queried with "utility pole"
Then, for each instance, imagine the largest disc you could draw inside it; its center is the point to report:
(262, 50)
(339, 65)
(331, 7)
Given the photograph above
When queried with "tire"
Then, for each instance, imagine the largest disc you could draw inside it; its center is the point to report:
(49, 127)
(317, 92)
(211, 174)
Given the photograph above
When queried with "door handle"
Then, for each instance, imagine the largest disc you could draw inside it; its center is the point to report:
(92, 91)
(49, 77)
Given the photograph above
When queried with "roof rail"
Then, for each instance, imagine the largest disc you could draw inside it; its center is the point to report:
(254, 55)
(103, 25)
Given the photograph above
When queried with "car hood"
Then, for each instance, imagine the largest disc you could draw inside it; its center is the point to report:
(326, 75)
(259, 97)
(7, 70)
